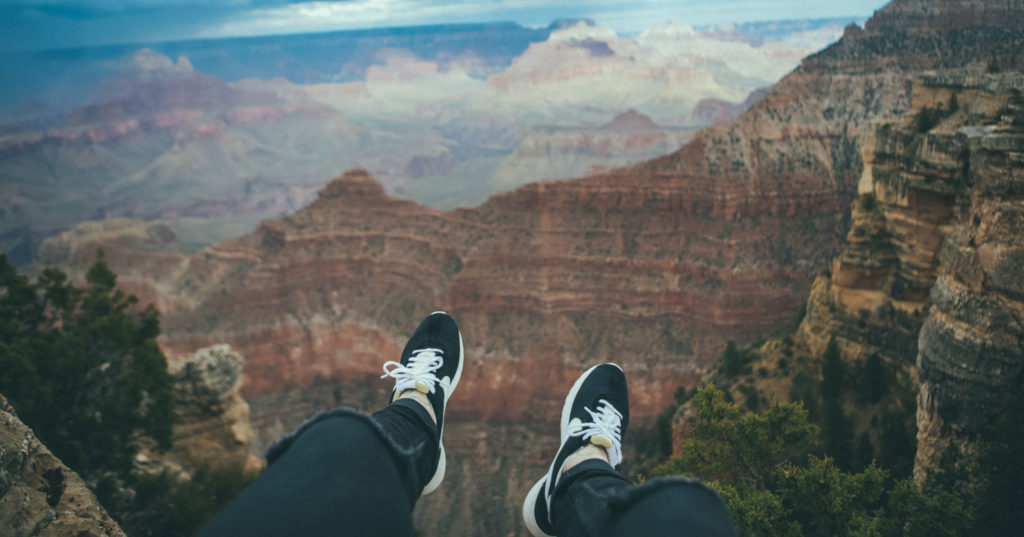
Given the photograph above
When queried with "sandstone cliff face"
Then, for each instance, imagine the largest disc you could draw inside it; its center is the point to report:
(944, 229)
(212, 426)
(653, 267)
(39, 496)
(930, 278)
(972, 342)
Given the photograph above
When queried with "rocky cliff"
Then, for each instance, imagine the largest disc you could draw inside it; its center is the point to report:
(653, 266)
(39, 496)
(544, 283)
(212, 428)
(929, 283)
(971, 347)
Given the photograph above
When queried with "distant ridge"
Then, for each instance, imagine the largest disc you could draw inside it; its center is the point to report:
(631, 120)
(561, 24)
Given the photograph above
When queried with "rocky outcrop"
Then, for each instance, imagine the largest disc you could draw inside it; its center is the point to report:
(211, 426)
(924, 17)
(929, 282)
(942, 186)
(972, 343)
(39, 496)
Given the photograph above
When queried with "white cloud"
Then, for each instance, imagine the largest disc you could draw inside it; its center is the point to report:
(321, 16)
(628, 17)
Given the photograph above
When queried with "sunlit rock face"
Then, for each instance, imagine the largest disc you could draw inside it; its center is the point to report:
(39, 495)
(971, 352)
(916, 284)
(212, 428)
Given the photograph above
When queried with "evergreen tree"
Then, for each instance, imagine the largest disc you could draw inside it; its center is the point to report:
(732, 360)
(831, 372)
(837, 428)
(873, 376)
(760, 465)
(83, 369)
(864, 454)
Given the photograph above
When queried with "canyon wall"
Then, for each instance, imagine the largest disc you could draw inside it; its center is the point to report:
(653, 266)
(972, 343)
(928, 284)
(930, 278)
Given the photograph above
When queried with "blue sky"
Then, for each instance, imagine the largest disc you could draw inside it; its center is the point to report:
(35, 24)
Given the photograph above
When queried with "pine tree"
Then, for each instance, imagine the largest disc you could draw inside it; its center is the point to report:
(83, 368)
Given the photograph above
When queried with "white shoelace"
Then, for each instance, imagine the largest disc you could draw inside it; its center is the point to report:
(605, 430)
(418, 374)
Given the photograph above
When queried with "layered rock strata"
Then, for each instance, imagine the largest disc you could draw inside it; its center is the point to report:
(972, 343)
(39, 495)
(930, 279)
(652, 266)
(939, 246)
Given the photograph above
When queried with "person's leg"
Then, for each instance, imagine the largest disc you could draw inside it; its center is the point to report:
(343, 472)
(583, 496)
(594, 417)
(580, 504)
(593, 500)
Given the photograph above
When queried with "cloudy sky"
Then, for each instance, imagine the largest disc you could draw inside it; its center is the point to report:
(36, 24)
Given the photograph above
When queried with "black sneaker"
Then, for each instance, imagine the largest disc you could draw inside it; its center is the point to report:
(596, 411)
(431, 364)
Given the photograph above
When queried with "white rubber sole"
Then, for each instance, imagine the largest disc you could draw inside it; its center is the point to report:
(438, 477)
(529, 504)
(529, 508)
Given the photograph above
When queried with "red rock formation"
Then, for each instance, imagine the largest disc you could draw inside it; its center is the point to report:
(631, 120)
(935, 16)
(716, 111)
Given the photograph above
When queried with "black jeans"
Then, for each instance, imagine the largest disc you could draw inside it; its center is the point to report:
(345, 473)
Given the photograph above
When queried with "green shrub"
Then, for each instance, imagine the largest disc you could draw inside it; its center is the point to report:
(164, 506)
(761, 466)
(735, 360)
(873, 380)
(928, 118)
(868, 202)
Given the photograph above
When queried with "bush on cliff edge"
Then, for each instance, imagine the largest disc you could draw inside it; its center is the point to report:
(760, 464)
(83, 369)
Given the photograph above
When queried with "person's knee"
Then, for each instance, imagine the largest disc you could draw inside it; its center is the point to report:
(675, 508)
